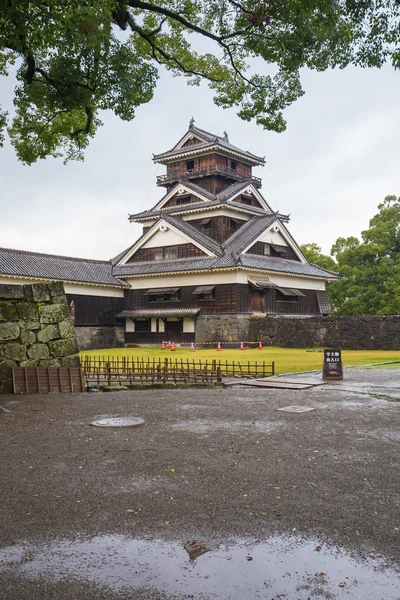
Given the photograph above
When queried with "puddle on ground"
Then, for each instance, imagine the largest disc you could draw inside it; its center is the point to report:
(277, 567)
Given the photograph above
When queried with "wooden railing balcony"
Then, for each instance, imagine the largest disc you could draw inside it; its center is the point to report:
(212, 170)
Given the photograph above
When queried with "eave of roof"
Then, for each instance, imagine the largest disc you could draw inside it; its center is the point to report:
(211, 141)
(51, 267)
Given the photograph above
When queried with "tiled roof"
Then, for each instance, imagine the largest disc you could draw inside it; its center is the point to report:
(282, 265)
(248, 233)
(165, 266)
(194, 233)
(222, 199)
(210, 140)
(21, 263)
(160, 312)
(228, 254)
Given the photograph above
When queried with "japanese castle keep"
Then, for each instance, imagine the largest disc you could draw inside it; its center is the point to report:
(211, 249)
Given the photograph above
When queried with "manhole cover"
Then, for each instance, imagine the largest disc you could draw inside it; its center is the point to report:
(118, 422)
(296, 409)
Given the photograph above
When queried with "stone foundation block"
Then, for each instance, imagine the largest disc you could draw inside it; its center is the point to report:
(53, 313)
(15, 351)
(9, 331)
(48, 334)
(28, 311)
(12, 292)
(38, 352)
(61, 348)
(8, 312)
(40, 292)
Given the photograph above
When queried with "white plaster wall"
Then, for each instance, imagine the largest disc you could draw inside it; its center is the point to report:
(290, 282)
(70, 288)
(188, 325)
(161, 326)
(153, 325)
(226, 277)
(169, 237)
(181, 280)
(272, 237)
(224, 212)
(129, 325)
(93, 290)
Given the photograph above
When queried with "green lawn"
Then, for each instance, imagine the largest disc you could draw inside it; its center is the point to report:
(286, 359)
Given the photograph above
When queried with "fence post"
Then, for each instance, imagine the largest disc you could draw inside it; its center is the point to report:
(108, 373)
(219, 374)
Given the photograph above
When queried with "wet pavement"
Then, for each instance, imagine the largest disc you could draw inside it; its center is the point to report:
(278, 567)
(288, 505)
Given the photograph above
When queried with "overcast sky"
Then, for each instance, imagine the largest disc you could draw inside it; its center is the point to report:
(337, 160)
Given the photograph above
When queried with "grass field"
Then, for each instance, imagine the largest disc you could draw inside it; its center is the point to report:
(286, 359)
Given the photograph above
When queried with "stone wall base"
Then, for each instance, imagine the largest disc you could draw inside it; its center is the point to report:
(368, 332)
(222, 328)
(96, 338)
(350, 333)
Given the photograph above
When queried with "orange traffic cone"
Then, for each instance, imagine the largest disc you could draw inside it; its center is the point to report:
(162, 345)
(192, 347)
(172, 347)
(260, 345)
(219, 347)
(169, 345)
(241, 346)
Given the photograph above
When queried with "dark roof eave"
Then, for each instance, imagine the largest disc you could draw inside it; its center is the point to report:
(171, 155)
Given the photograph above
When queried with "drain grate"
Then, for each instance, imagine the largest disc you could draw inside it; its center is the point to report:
(295, 409)
(118, 422)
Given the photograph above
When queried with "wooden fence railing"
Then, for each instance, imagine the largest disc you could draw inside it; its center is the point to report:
(126, 370)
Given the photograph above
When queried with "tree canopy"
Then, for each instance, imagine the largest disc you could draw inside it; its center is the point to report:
(369, 269)
(75, 58)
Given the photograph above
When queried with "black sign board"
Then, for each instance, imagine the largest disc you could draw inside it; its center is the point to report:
(333, 366)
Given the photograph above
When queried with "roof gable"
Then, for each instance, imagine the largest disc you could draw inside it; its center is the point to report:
(207, 142)
(181, 189)
(174, 231)
(244, 187)
(275, 232)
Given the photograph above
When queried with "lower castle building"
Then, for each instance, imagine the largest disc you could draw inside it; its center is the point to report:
(211, 246)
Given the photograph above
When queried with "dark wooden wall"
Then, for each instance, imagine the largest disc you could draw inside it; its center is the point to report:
(184, 251)
(305, 305)
(229, 298)
(179, 168)
(181, 200)
(96, 310)
(219, 228)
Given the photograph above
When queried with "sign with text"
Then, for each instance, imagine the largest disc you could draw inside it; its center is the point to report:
(333, 366)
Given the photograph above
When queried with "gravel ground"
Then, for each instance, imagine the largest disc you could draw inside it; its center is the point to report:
(215, 465)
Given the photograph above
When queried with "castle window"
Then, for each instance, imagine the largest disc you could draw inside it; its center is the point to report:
(205, 224)
(277, 251)
(163, 294)
(170, 252)
(142, 325)
(183, 200)
(189, 165)
(205, 292)
(233, 165)
(158, 253)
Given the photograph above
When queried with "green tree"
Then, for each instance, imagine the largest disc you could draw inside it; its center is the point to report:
(76, 58)
(369, 269)
(313, 253)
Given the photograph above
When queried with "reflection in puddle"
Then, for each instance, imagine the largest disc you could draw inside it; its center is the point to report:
(272, 568)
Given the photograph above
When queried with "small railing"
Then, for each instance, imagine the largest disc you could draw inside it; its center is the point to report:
(126, 370)
(212, 170)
